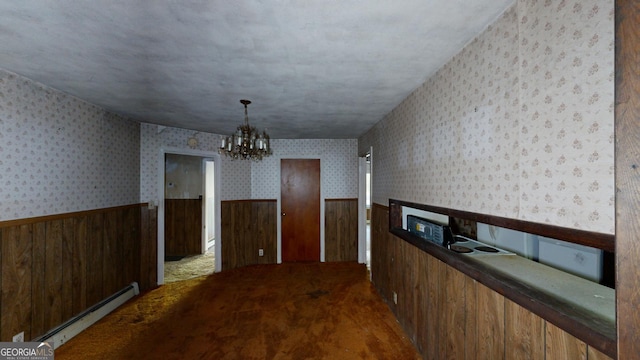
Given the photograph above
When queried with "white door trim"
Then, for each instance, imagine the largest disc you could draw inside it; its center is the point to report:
(362, 210)
(362, 203)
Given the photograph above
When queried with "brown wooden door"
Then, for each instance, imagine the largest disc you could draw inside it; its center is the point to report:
(300, 209)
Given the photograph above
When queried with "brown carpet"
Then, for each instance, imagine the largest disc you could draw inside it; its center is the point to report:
(287, 311)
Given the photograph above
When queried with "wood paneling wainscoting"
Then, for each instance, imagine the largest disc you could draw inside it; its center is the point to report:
(247, 226)
(341, 229)
(148, 278)
(449, 315)
(55, 267)
(183, 227)
(250, 225)
(627, 149)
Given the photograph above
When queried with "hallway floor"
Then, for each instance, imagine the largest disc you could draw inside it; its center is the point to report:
(189, 267)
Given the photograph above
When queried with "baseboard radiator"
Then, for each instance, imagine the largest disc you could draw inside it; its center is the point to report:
(77, 324)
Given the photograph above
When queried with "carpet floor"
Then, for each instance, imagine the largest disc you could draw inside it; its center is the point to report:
(286, 311)
(189, 267)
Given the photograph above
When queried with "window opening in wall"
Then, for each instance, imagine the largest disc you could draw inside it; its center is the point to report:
(580, 260)
(583, 261)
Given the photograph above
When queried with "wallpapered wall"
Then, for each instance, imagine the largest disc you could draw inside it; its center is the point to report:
(60, 154)
(184, 175)
(235, 175)
(519, 124)
(338, 167)
(247, 179)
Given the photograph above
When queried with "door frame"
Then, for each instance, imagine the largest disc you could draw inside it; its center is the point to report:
(160, 186)
(205, 194)
(279, 208)
(362, 205)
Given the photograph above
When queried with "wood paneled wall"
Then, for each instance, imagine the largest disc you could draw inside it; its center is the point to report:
(449, 315)
(627, 170)
(57, 266)
(250, 225)
(148, 265)
(341, 230)
(183, 227)
(247, 226)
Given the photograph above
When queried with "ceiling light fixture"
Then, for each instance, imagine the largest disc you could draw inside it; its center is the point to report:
(247, 142)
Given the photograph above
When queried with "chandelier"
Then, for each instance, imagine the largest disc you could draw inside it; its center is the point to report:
(246, 142)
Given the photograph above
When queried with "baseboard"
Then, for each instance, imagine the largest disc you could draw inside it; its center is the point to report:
(77, 324)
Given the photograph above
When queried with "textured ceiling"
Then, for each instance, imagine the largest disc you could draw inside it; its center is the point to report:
(313, 68)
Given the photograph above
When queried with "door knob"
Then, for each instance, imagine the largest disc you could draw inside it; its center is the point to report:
(283, 213)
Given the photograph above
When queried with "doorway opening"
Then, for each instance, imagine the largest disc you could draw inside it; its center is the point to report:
(189, 217)
(368, 207)
(209, 206)
(364, 209)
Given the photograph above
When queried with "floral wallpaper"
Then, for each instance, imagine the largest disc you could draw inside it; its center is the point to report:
(252, 180)
(567, 130)
(519, 124)
(60, 154)
(338, 167)
(235, 175)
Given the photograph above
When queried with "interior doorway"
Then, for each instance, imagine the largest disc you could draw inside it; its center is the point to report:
(189, 216)
(364, 208)
(209, 236)
(189, 206)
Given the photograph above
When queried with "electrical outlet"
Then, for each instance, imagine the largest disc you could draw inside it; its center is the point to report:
(19, 337)
(395, 298)
(260, 252)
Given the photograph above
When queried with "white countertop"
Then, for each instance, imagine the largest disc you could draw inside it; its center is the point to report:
(575, 290)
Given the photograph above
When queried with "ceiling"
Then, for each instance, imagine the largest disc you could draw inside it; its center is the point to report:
(313, 68)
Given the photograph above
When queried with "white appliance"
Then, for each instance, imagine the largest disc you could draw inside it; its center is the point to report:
(523, 244)
(579, 260)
